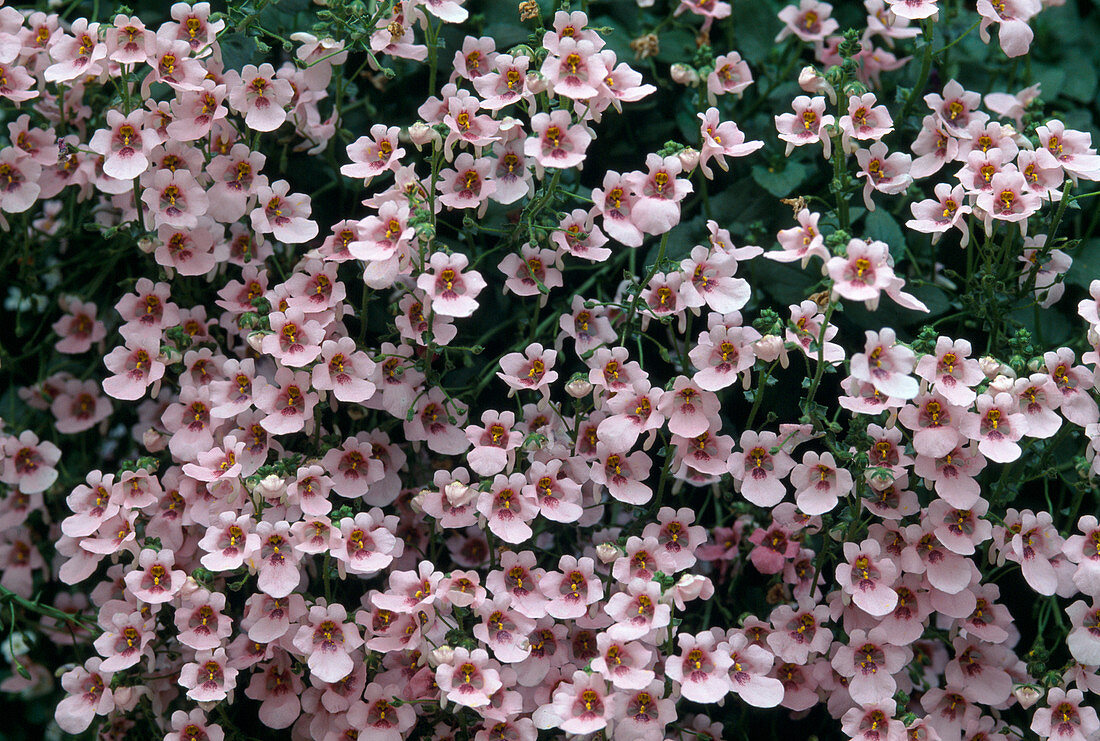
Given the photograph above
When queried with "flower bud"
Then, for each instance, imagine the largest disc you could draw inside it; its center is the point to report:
(607, 553)
(991, 367)
(256, 341)
(770, 348)
(459, 494)
(1027, 695)
(441, 655)
(1001, 384)
(811, 81)
(153, 441)
(421, 133)
(579, 386)
(689, 158)
(535, 82)
(1094, 337)
(416, 503)
(684, 75)
(270, 486)
(147, 245)
(190, 586)
(646, 46)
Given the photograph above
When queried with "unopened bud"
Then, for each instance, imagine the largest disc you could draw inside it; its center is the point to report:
(689, 158)
(441, 655)
(153, 441)
(535, 82)
(1027, 695)
(684, 75)
(421, 133)
(1094, 337)
(1001, 384)
(990, 366)
(646, 46)
(811, 81)
(271, 486)
(459, 494)
(147, 245)
(416, 503)
(770, 348)
(256, 341)
(607, 553)
(579, 386)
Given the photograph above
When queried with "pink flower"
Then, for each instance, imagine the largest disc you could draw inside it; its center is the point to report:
(810, 21)
(531, 370)
(936, 215)
(125, 144)
(757, 471)
(288, 403)
(913, 10)
(1012, 16)
(772, 548)
(997, 427)
(870, 664)
(260, 96)
(1071, 150)
(574, 68)
(801, 242)
(294, 341)
(76, 55)
(89, 695)
(1066, 717)
(808, 124)
(494, 443)
(326, 639)
(886, 365)
(721, 140)
(868, 578)
(30, 464)
(818, 483)
(555, 141)
(571, 589)
(701, 668)
(615, 202)
(343, 370)
(283, 215)
(469, 679)
(277, 561)
(1008, 199)
(623, 474)
(1084, 635)
(154, 581)
(578, 235)
(508, 508)
(210, 677)
(865, 120)
(452, 292)
(375, 154)
(886, 174)
(731, 76)
(659, 193)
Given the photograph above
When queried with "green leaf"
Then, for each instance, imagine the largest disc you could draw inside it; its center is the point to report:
(880, 225)
(1086, 264)
(780, 182)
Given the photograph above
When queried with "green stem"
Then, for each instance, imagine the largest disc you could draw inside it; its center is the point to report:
(925, 68)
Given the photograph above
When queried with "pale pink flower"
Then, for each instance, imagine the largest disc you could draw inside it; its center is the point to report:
(809, 21)
(615, 201)
(1071, 150)
(700, 668)
(282, 214)
(210, 677)
(154, 581)
(89, 694)
(886, 174)
(759, 473)
(868, 578)
(1066, 717)
(260, 96)
(531, 370)
(808, 124)
(1011, 16)
(886, 365)
(819, 483)
(1083, 641)
(731, 76)
(574, 68)
(452, 292)
(721, 140)
(936, 215)
(659, 193)
(801, 242)
(374, 154)
(555, 141)
(470, 678)
(1008, 199)
(997, 426)
(326, 639)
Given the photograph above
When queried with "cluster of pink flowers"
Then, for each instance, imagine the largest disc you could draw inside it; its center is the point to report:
(334, 531)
